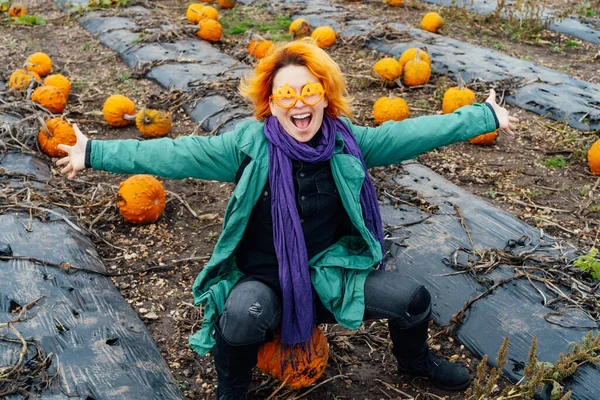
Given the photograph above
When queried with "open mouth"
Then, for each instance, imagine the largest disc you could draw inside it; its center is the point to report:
(302, 121)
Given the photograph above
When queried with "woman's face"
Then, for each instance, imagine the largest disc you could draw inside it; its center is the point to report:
(302, 121)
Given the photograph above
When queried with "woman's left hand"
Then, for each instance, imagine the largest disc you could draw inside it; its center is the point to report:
(505, 120)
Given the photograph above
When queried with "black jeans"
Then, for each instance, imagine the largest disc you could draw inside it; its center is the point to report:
(253, 311)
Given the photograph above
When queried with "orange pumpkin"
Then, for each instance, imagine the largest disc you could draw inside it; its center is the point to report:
(17, 10)
(394, 3)
(118, 110)
(594, 158)
(486, 139)
(142, 199)
(20, 79)
(259, 48)
(416, 72)
(299, 28)
(60, 82)
(50, 98)
(54, 133)
(456, 97)
(299, 369)
(390, 108)
(39, 63)
(324, 36)
(153, 123)
(388, 69)
(411, 54)
(209, 30)
(193, 13)
(432, 22)
(208, 12)
(227, 3)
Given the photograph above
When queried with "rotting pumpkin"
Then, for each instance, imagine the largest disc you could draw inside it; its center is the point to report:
(55, 132)
(388, 69)
(299, 28)
(298, 369)
(457, 97)
(50, 98)
(209, 30)
(118, 110)
(259, 48)
(390, 109)
(40, 63)
(60, 82)
(142, 199)
(416, 72)
(20, 79)
(17, 10)
(153, 123)
(324, 36)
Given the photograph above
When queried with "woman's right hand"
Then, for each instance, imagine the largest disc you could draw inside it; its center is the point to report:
(75, 159)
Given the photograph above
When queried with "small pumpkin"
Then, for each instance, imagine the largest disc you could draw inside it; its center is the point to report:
(486, 139)
(17, 10)
(432, 22)
(416, 72)
(193, 13)
(60, 82)
(153, 123)
(324, 36)
(298, 368)
(259, 48)
(227, 3)
(54, 133)
(299, 28)
(20, 79)
(118, 110)
(39, 63)
(142, 199)
(390, 108)
(208, 12)
(393, 3)
(50, 98)
(456, 97)
(411, 54)
(388, 69)
(209, 30)
(594, 158)
(4, 5)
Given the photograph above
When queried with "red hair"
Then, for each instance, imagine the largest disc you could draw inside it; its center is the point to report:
(258, 87)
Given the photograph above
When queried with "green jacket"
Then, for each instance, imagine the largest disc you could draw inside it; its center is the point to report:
(337, 273)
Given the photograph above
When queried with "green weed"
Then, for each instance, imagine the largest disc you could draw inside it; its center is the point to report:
(555, 162)
(589, 263)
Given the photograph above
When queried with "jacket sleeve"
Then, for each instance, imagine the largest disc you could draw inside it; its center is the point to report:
(203, 157)
(393, 142)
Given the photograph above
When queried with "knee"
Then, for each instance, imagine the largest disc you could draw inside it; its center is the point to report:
(420, 302)
(251, 312)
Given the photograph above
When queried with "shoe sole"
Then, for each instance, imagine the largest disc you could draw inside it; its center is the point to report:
(449, 388)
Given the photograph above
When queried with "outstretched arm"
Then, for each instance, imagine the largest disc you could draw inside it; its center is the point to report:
(75, 159)
(202, 157)
(393, 142)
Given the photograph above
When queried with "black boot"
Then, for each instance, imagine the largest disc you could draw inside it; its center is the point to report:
(415, 358)
(234, 366)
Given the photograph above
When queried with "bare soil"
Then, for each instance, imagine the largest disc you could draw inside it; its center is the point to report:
(563, 201)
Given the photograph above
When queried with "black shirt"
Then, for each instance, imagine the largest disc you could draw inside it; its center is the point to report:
(321, 214)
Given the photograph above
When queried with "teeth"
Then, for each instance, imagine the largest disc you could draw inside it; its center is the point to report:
(300, 116)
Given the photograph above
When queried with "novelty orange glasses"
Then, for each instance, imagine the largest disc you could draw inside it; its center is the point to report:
(285, 96)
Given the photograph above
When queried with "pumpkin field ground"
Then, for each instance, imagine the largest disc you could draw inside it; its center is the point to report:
(539, 176)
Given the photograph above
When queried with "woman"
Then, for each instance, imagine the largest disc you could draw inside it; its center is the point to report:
(302, 239)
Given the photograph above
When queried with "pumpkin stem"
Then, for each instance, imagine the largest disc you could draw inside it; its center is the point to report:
(461, 82)
(128, 117)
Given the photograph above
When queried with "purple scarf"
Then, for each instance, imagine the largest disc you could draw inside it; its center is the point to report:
(297, 321)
